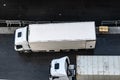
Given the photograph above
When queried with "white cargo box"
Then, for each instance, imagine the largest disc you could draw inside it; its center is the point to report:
(56, 36)
(98, 68)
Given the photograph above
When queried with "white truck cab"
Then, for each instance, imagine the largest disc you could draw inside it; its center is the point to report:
(61, 69)
(21, 39)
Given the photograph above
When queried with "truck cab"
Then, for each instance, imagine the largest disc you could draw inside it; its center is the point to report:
(21, 39)
(60, 69)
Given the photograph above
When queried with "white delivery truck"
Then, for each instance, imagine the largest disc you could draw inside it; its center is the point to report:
(55, 36)
(86, 68)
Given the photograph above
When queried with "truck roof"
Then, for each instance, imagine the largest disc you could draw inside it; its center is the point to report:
(62, 31)
(61, 70)
(98, 67)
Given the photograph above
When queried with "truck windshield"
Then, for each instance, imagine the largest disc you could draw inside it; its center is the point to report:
(19, 34)
(57, 66)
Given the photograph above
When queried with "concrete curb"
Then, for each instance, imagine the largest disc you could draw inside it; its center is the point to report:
(11, 30)
(8, 30)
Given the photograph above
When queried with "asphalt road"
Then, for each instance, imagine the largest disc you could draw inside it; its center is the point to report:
(35, 66)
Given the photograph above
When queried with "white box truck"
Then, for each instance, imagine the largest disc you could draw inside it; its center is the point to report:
(86, 68)
(55, 36)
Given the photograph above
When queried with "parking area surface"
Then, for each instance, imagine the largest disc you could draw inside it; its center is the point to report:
(35, 66)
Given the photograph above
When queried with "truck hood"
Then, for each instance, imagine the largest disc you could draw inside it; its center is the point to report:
(62, 68)
(20, 35)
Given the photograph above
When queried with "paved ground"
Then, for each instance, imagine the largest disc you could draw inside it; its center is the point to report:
(35, 66)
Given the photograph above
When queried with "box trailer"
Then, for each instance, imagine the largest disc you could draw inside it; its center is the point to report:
(55, 36)
(86, 68)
